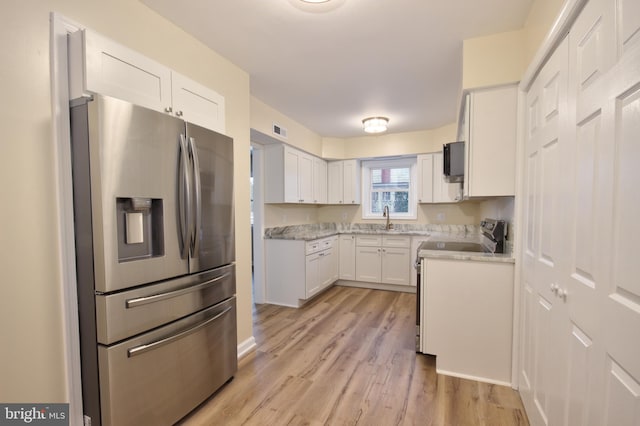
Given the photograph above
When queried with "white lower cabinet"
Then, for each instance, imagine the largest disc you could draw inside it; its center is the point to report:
(347, 263)
(298, 270)
(383, 259)
(468, 318)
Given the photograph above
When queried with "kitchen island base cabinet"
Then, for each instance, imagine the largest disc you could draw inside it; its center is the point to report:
(298, 270)
(467, 321)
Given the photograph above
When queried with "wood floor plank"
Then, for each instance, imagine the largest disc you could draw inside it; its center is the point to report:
(348, 358)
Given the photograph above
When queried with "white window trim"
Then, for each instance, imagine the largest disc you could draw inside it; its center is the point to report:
(366, 187)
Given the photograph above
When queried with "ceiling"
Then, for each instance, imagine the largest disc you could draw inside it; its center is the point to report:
(329, 65)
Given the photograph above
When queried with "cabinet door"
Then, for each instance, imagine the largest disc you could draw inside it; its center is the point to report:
(443, 191)
(291, 176)
(347, 257)
(492, 142)
(425, 178)
(312, 274)
(335, 179)
(326, 267)
(319, 179)
(197, 104)
(368, 264)
(99, 65)
(334, 263)
(351, 182)
(305, 178)
(396, 266)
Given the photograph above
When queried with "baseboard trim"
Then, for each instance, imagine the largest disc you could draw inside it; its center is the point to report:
(470, 377)
(377, 286)
(246, 347)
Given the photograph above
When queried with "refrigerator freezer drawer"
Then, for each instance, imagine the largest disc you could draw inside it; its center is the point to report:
(125, 314)
(159, 377)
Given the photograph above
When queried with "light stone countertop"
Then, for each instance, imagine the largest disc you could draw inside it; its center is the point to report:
(321, 230)
(463, 255)
(439, 232)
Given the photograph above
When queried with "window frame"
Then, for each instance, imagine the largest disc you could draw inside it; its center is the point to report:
(367, 165)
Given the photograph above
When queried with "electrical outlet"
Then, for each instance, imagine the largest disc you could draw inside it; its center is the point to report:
(344, 216)
(440, 217)
(284, 218)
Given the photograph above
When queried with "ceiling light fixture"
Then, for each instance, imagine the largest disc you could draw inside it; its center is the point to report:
(375, 124)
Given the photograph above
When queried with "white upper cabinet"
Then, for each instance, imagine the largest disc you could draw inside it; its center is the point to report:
(319, 180)
(99, 65)
(196, 103)
(425, 178)
(290, 176)
(488, 127)
(432, 188)
(443, 191)
(343, 182)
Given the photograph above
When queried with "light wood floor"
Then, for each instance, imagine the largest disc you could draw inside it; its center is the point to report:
(348, 358)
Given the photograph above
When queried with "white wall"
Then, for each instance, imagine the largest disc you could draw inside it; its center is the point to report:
(32, 367)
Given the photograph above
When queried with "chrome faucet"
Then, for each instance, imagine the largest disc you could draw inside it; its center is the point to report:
(385, 213)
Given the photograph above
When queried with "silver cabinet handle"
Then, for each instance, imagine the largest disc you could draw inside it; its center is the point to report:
(139, 301)
(179, 113)
(138, 350)
(195, 240)
(168, 109)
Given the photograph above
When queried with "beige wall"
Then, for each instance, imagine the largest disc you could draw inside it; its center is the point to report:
(32, 367)
(289, 214)
(263, 117)
(503, 58)
(542, 16)
(388, 144)
(493, 60)
(467, 213)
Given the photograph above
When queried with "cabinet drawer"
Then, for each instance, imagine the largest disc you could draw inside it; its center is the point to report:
(368, 240)
(317, 245)
(396, 241)
(312, 247)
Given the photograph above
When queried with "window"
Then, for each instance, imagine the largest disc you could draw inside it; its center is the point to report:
(389, 183)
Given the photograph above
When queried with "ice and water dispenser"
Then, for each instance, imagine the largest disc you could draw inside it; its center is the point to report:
(140, 228)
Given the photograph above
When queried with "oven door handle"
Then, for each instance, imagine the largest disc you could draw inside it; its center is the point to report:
(132, 303)
(138, 350)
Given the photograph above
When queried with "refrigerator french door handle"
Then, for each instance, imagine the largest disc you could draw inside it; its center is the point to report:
(195, 242)
(139, 301)
(184, 195)
(138, 350)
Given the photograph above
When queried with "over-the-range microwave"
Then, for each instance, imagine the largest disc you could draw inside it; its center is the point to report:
(453, 161)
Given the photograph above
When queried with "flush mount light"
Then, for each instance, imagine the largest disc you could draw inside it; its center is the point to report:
(317, 6)
(375, 124)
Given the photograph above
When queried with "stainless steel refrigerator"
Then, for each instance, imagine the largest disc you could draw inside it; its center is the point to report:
(153, 205)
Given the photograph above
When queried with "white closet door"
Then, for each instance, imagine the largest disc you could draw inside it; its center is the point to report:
(543, 360)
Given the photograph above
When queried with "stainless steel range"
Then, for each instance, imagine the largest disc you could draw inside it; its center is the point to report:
(491, 241)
